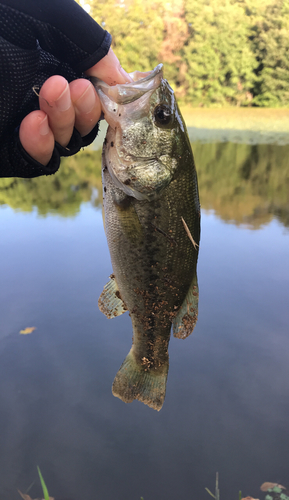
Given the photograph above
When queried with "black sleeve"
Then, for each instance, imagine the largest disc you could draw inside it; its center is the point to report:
(38, 39)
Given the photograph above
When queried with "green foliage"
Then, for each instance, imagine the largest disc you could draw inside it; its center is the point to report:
(136, 27)
(44, 488)
(270, 40)
(215, 52)
(220, 62)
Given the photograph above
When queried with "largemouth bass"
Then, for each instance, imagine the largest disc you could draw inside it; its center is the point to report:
(152, 224)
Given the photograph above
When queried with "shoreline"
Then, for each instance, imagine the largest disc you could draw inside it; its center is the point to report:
(243, 125)
(239, 119)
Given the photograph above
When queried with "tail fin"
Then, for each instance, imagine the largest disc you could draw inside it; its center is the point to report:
(134, 381)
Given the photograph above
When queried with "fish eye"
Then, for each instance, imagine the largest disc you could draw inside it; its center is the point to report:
(162, 114)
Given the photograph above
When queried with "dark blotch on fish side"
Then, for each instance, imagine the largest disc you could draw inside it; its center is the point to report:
(127, 182)
(111, 144)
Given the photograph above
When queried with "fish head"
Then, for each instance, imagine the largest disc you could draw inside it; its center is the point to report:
(143, 142)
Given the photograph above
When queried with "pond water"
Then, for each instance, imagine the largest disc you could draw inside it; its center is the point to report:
(227, 403)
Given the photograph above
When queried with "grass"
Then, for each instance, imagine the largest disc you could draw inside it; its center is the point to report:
(257, 119)
(44, 488)
(216, 495)
(217, 491)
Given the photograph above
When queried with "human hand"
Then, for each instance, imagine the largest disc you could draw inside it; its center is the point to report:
(64, 106)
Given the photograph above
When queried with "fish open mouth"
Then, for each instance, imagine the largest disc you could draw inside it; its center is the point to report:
(129, 92)
(136, 153)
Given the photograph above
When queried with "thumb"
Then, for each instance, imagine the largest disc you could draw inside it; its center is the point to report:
(109, 70)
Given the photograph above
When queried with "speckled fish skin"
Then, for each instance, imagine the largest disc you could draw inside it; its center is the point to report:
(153, 258)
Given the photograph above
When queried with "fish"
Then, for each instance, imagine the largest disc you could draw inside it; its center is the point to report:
(152, 225)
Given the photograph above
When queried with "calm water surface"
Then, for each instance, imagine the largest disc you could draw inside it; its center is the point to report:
(227, 401)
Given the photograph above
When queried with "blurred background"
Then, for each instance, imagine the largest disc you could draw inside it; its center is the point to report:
(215, 52)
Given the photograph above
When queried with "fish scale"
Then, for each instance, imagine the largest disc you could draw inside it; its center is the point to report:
(153, 258)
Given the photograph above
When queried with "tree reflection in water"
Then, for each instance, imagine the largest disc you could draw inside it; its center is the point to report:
(243, 183)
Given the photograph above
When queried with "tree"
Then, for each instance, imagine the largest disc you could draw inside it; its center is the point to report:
(136, 27)
(175, 35)
(215, 52)
(219, 58)
(270, 40)
(145, 34)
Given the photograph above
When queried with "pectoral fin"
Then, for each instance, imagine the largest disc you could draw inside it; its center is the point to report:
(187, 315)
(110, 302)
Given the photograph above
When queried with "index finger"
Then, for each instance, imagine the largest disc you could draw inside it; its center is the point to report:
(109, 70)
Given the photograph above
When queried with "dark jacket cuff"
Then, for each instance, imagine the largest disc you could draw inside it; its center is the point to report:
(94, 58)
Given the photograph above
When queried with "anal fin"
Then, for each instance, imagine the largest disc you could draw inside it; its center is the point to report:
(110, 302)
(186, 318)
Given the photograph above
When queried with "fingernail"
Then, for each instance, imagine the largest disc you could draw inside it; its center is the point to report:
(86, 101)
(64, 102)
(125, 75)
(43, 126)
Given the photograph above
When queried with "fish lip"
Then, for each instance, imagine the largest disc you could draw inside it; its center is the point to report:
(151, 74)
(126, 93)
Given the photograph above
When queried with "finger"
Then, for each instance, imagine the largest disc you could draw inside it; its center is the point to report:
(55, 101)
(36, 136)
(86, 105)
(109, 70)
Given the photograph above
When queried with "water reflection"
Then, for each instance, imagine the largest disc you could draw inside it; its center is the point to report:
(227, 399)
(77, 181)
(226, 406)
(242, 183)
